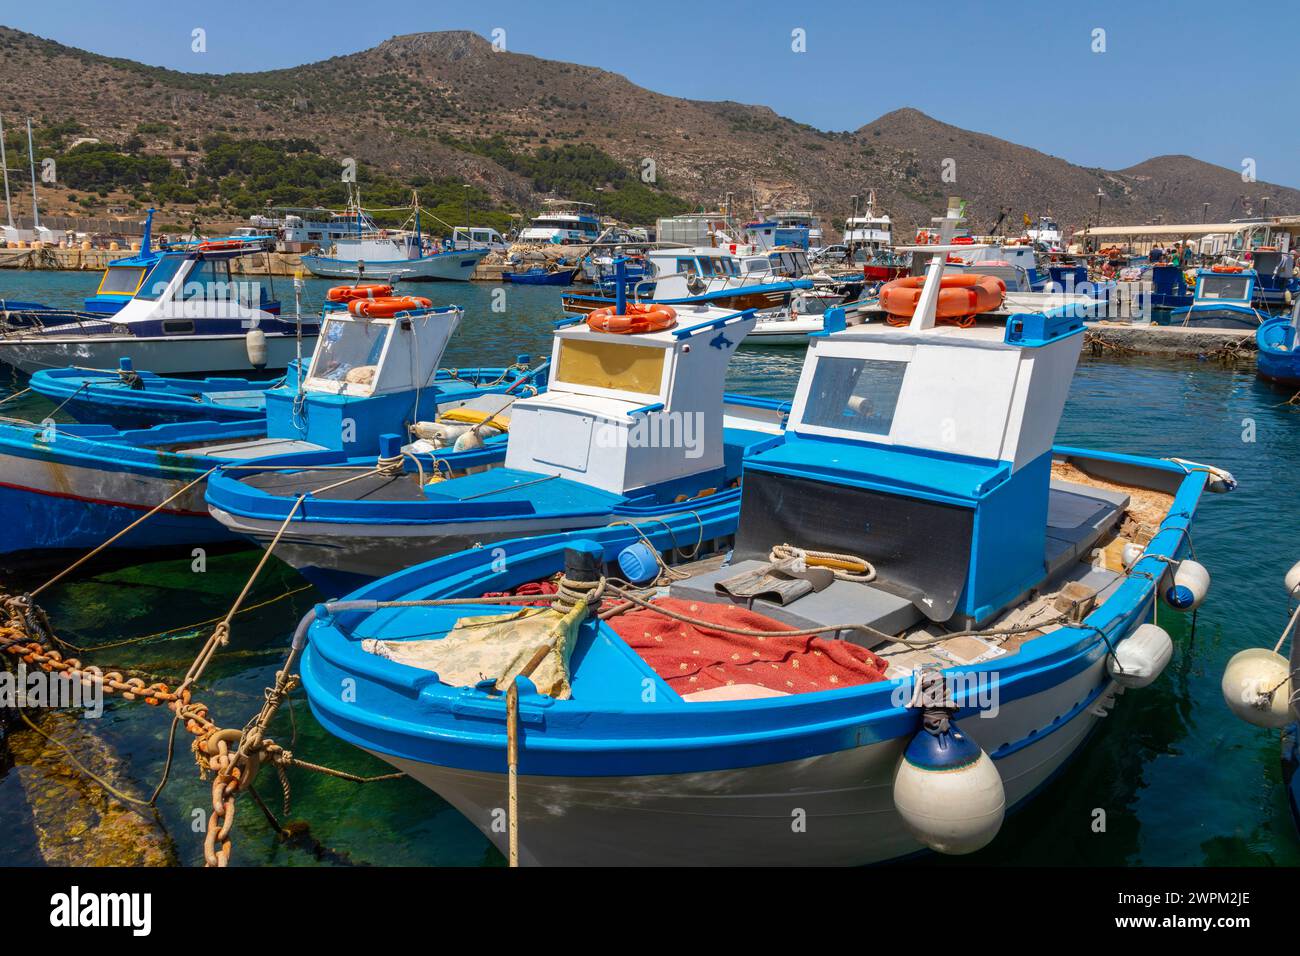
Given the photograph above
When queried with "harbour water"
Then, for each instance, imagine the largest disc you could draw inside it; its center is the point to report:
(1170, 778)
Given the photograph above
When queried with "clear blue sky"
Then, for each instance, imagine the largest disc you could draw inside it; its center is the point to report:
(1219, 81)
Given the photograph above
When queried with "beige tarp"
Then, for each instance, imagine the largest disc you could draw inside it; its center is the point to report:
(494, 647)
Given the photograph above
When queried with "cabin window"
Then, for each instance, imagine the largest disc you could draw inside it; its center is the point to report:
(613, 365)
(177, 327)
(686, 267)
(121, 280)
(209, 281)
(349, 351)
(160, 278)
(1224, 287)
(858, 395)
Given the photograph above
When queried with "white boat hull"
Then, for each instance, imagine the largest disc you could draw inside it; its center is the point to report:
(172, 356)
(783, 331)
(835, 809)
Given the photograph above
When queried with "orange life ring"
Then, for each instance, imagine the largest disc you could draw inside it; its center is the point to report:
(640, 317)
(220, 245)
(1222, 268)
(961, 298)
(386, 306)
(365, 290)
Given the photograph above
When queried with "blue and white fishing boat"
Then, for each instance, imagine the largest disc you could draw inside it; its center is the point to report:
(130, 399)
(631, 425)
(121, 280)
(1279, 349)
(938, 559)
(192, 314)
(1225, 299)
(140, 399)
(376, 254)
(70, 487)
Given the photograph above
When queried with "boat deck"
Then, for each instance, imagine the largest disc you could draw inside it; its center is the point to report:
(1089, 521)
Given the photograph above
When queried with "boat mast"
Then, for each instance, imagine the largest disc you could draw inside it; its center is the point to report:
(31, 158)
(4, 165)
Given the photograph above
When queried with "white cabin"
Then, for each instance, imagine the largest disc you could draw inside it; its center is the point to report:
(623, 412)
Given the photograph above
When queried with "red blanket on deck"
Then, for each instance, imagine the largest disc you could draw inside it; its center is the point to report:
(692, 658)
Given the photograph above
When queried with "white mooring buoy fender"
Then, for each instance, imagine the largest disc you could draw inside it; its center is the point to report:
(1141, 657)
(1186, 587)
(1132, 553)
(1293, 582)
(255, 345)
(948, 791)
(1257, 687)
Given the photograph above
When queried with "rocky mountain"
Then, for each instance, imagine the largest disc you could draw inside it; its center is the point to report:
(428, 105)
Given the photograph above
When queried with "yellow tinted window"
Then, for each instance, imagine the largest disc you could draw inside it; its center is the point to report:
(628, 368)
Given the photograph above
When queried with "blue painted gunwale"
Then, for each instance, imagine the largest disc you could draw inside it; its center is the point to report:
(165, 400)
(405, 712)
(230, 494)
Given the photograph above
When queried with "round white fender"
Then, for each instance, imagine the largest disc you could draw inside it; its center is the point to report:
(1257, 687)
(948, 792)
(1188, 587)
(1293, 581)
(255, 345)
(1132, 553)
(1140, 657)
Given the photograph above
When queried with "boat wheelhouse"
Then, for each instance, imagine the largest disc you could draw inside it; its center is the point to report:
(1046, 235)
(1224, 299)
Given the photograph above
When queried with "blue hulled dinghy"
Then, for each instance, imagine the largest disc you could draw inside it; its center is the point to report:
(1279, 349)
(914, 612)
(71, 487)
(128, 398)
(633, 422)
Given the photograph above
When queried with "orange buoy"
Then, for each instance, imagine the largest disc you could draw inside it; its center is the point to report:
(386, 306)
(961, 298)
(365, 290)
(640, 317)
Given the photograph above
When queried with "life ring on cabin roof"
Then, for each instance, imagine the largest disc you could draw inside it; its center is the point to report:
(640, 317)
(386, 306)
(1222, 268)
(961, 298)
(220, 245)
(365, 290)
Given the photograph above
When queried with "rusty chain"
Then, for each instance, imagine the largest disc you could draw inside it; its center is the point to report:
(232, 756)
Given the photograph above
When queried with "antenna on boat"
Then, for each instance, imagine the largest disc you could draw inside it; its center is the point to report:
(4, 165)
(146, 241)
(31, 158)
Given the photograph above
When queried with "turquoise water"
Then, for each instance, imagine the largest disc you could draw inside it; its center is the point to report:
(1181, 782)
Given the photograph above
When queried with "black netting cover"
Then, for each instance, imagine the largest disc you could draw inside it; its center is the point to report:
(921, 549)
